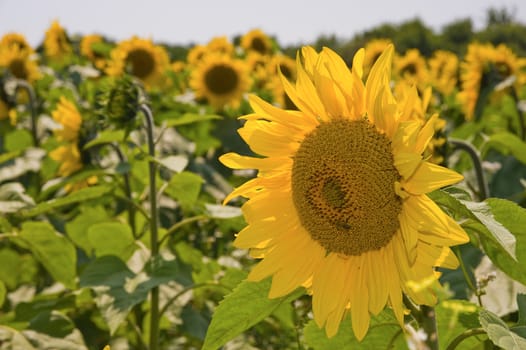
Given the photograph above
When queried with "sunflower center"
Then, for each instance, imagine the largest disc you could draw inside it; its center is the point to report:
(142, 63)
(221, 79)
(18, 69)
(343, 179)
(259, 45)
(409, 69)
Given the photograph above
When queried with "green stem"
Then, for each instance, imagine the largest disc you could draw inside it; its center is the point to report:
(32, 107)
(154, 218)
(181, 223)
(467, 277)
(429, 324)
(127, 190)
(464, 335)
(521, 115)
(477, 163)
(186, 290)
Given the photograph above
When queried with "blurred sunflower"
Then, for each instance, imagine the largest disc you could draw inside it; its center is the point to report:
(287, 66)
(142, 59)
(18, 40)
(339, 205)
(373, 50)
(258, 66)
(67, 115)
(57, 46)
(508, 64)
(221, 45)
(68, 154)
(196, 54)
(257, 40)
(86, 50)
(19, 63)
(220, 80)
(443, 71)
(412, 67)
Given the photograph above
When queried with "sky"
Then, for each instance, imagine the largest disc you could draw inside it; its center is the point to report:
(184, 22)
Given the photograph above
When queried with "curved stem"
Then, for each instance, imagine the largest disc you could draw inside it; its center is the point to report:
(464, 335)
(467, 277)
(127, 189)
(187, 289)
(180, 224)
(477, 163)
(154, 219)
(32, 107)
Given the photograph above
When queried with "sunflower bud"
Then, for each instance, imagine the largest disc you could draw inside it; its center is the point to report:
(119, 101)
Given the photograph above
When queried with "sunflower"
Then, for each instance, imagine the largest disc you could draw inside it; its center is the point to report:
(258, 65)
(57, 46)
(443, 71)
(196, 54)
(19, 63)
(412, 68)
(220, 44)
(221, 80)
(281, 64)
(507, 64)
(141, 58)
(257, 40)
(67, 115)
(18, 40)
(373, 50)
(339, 205)
(68, 156)
(86, 50)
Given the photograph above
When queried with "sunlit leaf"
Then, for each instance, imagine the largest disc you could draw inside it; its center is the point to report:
(185, 188)
(81, 195)
(506, 143)
(243, 308)
(187, 118)
(384, 333)
(455, 317)
(77, 229)
(106, 136)
(499, 332)
(54, 251)
(112, 238)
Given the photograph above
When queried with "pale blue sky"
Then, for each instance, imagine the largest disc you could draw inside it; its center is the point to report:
(197, 21)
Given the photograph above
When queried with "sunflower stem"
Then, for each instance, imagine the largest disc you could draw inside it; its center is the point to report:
(477, 163)
(464, 335)
(429, 324)
(22, 84)
(154, 218)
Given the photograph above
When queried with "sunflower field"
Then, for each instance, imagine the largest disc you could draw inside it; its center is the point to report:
(242, 195)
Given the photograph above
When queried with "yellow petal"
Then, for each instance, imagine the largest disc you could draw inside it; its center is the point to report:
(429, 177)
(406, 163)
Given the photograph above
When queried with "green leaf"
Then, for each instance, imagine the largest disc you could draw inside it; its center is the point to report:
(187, 118)
(118, 289)
(455, 317)
(18, 140)
(4, 157)
(498, 224)
(16, 268)
(506, 143)
(52, 323)
(244, 307)
(81, 195)
(185, 188)
(3, 293)
(77, 229)
(521, 303)
(499, 332)
(51, 249)
(112, 238)
(107, 136)
(384, 333)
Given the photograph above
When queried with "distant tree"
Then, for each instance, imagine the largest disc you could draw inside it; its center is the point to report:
(500, 16)
(456, 35)
(415, 34)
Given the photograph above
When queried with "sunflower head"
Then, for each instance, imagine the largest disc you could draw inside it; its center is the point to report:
(443, 71)
(119, 100)
(88, 50)
(220, 80)
(140, 58)
(57, 46)
(68, 117)
(257, 40)
(339, 204)
(220, 45)
(17, 63)
(412, 67)
(18, 40)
